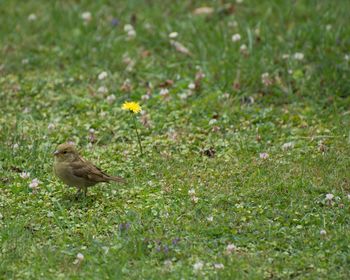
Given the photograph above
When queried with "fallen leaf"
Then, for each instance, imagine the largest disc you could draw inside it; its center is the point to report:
(180, 47)
(166, 84)
(203, 11)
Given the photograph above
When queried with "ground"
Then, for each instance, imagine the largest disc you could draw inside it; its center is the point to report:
(245, 134)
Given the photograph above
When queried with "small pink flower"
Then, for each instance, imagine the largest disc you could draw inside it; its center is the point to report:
(34, 184)
(264, 155)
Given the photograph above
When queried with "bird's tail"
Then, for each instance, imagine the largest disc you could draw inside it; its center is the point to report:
(117, 179)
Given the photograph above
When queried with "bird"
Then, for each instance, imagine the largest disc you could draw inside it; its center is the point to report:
(77, 172)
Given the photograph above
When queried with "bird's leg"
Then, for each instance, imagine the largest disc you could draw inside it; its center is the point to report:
(85, 191)
(78, 193)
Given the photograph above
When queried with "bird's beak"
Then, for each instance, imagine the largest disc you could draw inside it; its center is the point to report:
(55, 153)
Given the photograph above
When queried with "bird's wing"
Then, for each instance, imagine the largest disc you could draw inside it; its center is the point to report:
(88, 171)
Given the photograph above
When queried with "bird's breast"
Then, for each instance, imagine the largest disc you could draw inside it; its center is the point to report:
(64, 172)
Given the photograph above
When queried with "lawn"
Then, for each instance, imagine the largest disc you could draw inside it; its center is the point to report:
(245, 131)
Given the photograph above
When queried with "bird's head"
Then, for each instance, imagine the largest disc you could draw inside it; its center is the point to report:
(66, 153)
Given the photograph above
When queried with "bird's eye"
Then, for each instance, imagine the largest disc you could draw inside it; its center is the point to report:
(64, 152)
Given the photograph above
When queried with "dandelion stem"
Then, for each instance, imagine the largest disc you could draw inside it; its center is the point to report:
(138, 136)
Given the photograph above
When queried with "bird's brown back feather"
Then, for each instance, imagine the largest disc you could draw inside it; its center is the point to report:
(87, 170)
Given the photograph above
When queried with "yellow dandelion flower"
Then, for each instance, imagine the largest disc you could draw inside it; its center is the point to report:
(132, 107)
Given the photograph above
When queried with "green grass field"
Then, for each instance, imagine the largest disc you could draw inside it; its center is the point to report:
(245, 171)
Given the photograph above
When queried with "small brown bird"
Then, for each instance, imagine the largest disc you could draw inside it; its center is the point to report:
(75, 171)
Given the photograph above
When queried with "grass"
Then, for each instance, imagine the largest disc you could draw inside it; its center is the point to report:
(208, 140)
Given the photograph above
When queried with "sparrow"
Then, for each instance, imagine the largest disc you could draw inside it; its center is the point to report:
(77, 172)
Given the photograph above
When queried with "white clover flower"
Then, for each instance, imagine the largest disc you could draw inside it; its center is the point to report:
(194, 199)
(323, 232)
(198, 266)
(210, 218)
(173, 35)
(128, 27)
(15, 146)
(264, 155)
(212, 121)
(24, 175)
(298, 56)
(145, 97)
(329, 196)
(232, 23)
(265, 79)
(80, 256)
(287, 146)
(347, 57)
(349, 196)
(183, 96)
(219, 266)
(102, 89)
(34, 183)
(192, 86)
(132, 33)
(239, 1)
(103, 75)
(51, 126)
(225, 95)
(236, 37)
(328, 27)
(285, 56)
(192, 192)
(32, 17)
(25, 61)
(164, 92)
(243, 49)
(91, 130)
(231, 248)
(1, 216)
(86, 16)
(110, 98)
